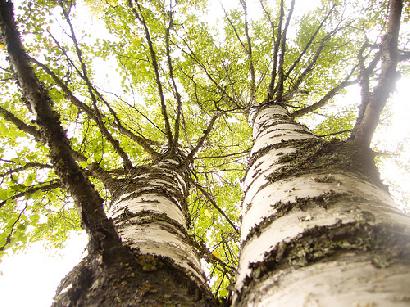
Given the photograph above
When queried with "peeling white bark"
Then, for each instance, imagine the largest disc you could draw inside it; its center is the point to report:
(265, 165)
(351, 281)
(348, 199)
(153, 203)
(141, 218)
(277, 137)
(298, 222)
(156, 239)
(261, 201)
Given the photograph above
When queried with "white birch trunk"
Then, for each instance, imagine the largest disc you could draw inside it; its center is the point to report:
(155, 263)
(317, 228)
(151, 217)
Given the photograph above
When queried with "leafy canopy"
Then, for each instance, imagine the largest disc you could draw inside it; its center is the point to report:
(130, 77)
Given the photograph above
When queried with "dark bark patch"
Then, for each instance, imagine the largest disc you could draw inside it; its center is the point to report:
(318, 155)
(131, 280)
(324, 200)
(286, 143)
(386, 242)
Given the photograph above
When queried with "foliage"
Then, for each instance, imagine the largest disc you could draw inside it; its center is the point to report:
(110, 70)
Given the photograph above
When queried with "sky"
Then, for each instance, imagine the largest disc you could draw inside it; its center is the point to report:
(30, 277)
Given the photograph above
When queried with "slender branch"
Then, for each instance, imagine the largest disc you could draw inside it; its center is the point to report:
(249, 53)
(98, 117)
(364, 78)
(275, 52)
(8, 238)
(25, 167)
(191, 54)
(214, 204)
(41, 187)
(334, 133)
(308, 44)
(171, 75)
(95, 170)
(209, 256)
(32, 130)
(235, 30)
(310, 66)
(281, 79)
(201, 141)
(268, 16)
(227, 155)
(329, 95)
(376, 100)
(139, 112)
(93, 113)
(101, 229)
(138, 14)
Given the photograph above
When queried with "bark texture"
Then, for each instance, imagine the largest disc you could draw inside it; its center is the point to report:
(140, 256)
(157, 264)
(318, 227)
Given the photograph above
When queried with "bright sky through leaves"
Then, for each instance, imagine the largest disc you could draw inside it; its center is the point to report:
(29, 278)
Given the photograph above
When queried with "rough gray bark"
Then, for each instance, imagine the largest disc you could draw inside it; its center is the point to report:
(318, 227)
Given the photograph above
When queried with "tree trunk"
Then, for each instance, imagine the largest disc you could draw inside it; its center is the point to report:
(318, 227)
(157, 264)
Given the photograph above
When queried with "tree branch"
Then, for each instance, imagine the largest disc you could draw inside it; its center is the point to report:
(308, 44)
(32, 130)
(365, 126)
(94, 169)
(98, 117)
(8, 238)
(94, 113)
(249, 53)
(25, 167)
(214, 204)
(41, 187)
(275, 52)
(177, 95)
(329, 95)
(191, 155)
(192, 55)
(101, 229)
(310, 66)
(279, 87)
(138, 14)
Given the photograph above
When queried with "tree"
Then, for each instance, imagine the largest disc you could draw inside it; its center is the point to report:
(318, 227)
(144, 247)
(326, 209)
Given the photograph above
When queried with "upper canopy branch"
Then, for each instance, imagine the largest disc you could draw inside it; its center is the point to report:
(276, 47)
(249, 53)
(281, 77)
(373, 101)
(177, 95)
(201, 141)
(329, 95)
(91, 90)
(309, 43)
(95, 114)
(83, 192)
(139, 15)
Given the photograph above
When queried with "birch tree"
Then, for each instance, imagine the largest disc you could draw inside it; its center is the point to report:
(318, 226)
(141, 250)
(151, 165)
